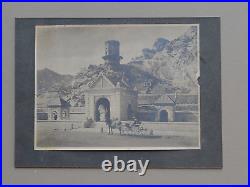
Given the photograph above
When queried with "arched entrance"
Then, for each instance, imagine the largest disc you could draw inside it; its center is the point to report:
(102, 109)
(163, 116)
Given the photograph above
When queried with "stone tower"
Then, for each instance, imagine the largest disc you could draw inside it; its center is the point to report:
(112, 52)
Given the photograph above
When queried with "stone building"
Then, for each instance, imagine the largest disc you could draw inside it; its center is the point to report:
(155, 107)
(107, 100)
(168, 107)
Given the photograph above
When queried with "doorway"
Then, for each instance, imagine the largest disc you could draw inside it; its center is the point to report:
(163, 116)
(102, 110)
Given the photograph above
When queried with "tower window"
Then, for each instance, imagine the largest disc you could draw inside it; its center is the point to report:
(147, 84)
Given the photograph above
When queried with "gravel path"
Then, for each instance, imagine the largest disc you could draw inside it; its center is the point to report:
(50, 137)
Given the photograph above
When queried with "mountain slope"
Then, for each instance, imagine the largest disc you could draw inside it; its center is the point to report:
(48, 79)
(175, 61)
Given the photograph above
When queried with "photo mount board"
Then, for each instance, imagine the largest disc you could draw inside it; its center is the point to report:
(210, 154)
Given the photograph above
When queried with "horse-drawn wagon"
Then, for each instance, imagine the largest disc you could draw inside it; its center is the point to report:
(132, 128)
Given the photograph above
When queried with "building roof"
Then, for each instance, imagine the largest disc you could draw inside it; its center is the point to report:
(147, 108)
(42, 101)
(118, 78)
(147, 99)
(51, 99)
(184, 99)
(164, 99)
(114, 79)
(150, 99)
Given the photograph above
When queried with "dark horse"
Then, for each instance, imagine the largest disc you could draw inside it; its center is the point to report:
(109, 124)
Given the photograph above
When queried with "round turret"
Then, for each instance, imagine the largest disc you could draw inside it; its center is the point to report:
(112, 52)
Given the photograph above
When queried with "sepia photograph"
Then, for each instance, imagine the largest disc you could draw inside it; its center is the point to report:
(117, 87)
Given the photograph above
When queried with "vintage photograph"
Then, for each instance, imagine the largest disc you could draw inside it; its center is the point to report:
(117, 87)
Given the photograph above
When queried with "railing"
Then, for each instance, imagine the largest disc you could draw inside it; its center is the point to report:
(77, 110)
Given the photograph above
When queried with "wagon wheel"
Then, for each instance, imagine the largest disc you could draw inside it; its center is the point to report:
(137, 131)
(130, 131)
(122, 130)
(142, 132)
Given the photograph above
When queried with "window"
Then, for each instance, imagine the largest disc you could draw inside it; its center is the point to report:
(147, 84)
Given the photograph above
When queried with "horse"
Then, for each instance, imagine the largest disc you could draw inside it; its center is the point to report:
(109, 124)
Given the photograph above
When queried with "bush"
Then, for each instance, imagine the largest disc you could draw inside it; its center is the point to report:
(89, 123)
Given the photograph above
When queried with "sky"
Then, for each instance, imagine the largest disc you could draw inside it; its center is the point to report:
(67, 49)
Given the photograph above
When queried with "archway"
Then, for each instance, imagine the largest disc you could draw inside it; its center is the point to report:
(102, 109)
(163, 116)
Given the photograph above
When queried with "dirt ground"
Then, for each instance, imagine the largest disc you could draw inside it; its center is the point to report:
(54, 136)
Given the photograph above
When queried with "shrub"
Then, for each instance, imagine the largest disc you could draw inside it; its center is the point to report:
(89, 123)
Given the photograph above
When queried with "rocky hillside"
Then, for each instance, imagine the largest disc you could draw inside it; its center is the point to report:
(175, 61)
(48, 79)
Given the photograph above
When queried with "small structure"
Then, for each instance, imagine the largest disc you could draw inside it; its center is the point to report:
(155, 107)
(107, 100)
(168, 107)
(58, 108)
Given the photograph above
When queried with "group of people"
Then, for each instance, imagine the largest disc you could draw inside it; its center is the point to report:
(116, 123)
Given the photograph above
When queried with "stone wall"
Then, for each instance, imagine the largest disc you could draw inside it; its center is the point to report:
(127, 98)
(185, 116)
(147, 116)
(42, 116)
(77, 113)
